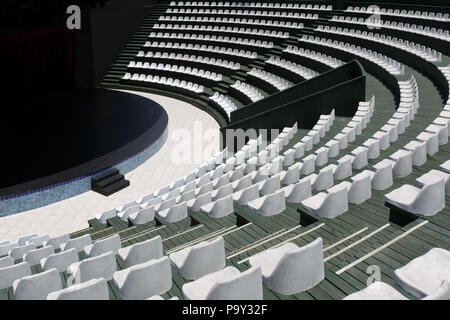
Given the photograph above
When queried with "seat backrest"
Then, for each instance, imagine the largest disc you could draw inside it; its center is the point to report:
(442, 293)
(102, 246)
(9, 274)
(102, 266)
(336, 202)
(245, 286)
(37, 286)
(206, 257)
(142, 251)
(303, 265)
(95, 289)
(77, 243)
(61, 261)
(431, 197)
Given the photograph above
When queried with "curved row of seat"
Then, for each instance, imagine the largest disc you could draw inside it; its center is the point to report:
(209, 28)
(401, 13)
(207, 37)
(323, 58)
(293, 67)
(268, 23)
(253, 4)
(413, 28)
(194, 87)
(250, 91)
(197, 47)
(274, 80)
(175, 68)
(193, 58)
(224, 102)
(392, 66)
(417, 49)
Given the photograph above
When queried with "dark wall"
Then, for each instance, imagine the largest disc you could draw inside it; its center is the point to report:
(104, 33)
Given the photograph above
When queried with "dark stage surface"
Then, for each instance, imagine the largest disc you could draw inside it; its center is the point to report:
(53, 137)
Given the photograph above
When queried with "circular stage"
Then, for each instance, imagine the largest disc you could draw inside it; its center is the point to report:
(57, 137)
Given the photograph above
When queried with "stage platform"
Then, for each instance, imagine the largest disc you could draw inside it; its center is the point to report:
(57, 141)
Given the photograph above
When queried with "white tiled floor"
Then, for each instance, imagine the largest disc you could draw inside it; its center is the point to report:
(158, 171)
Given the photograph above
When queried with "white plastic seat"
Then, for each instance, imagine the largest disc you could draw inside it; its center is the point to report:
(38, 241)
(102, 266)
(359, 190)
(360, 160)
(431, 139)
(269, 205)
(23, 240)
(269, 185)
(343, 169)
(222, 192)
(143, 216)
(418, 150)
(295, 193)
(402, 163)
(4, 249)
(323, 180)
(445, 166)
(242, 183)
(328, 205)
(376, 291)
(77, 243)
(18, 252)
(142, 251)
(61, 261)
(291, 175)
(200, 259)
(441, 131)
(226, 284)
(102, 217)
(219, 208)
(299, 150)
(175, 213)
(199, 201)
(289, 269)
(144, 280)
(123, 215)
(321, 156)
(308, 142)
(382, 178)
(9, 274)
(423, 276)
(246, 195)
(103, 246)
(308, 165)
(34, 257)
(384, 139)
(343, 140)
(6, 262)
(432, 175)
(220, 182)
(333, 148)
(95, 289)
(37, 286)
(426, 201)
(373, 146)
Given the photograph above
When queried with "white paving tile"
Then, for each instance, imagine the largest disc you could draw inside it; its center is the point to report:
(185, 122)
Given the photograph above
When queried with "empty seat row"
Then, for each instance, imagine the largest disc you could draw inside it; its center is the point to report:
(293, 67)
(282, 14)
(269, 23)
(190, 46)
(323, 58)
(175, 68)
(253, 4)
(276, 81)
(193, 58)
(250, 91)
(194, 87)
(256, 32)
(392, 66)
(413, 28)
(401, 13)
(213, 37)
(417, 49)
(224, 102)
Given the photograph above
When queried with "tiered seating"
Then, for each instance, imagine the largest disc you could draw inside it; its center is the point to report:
(429, 15)
(293, 67)
(420, 50)
(330, 61)
(248, 90)
(274, 80)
